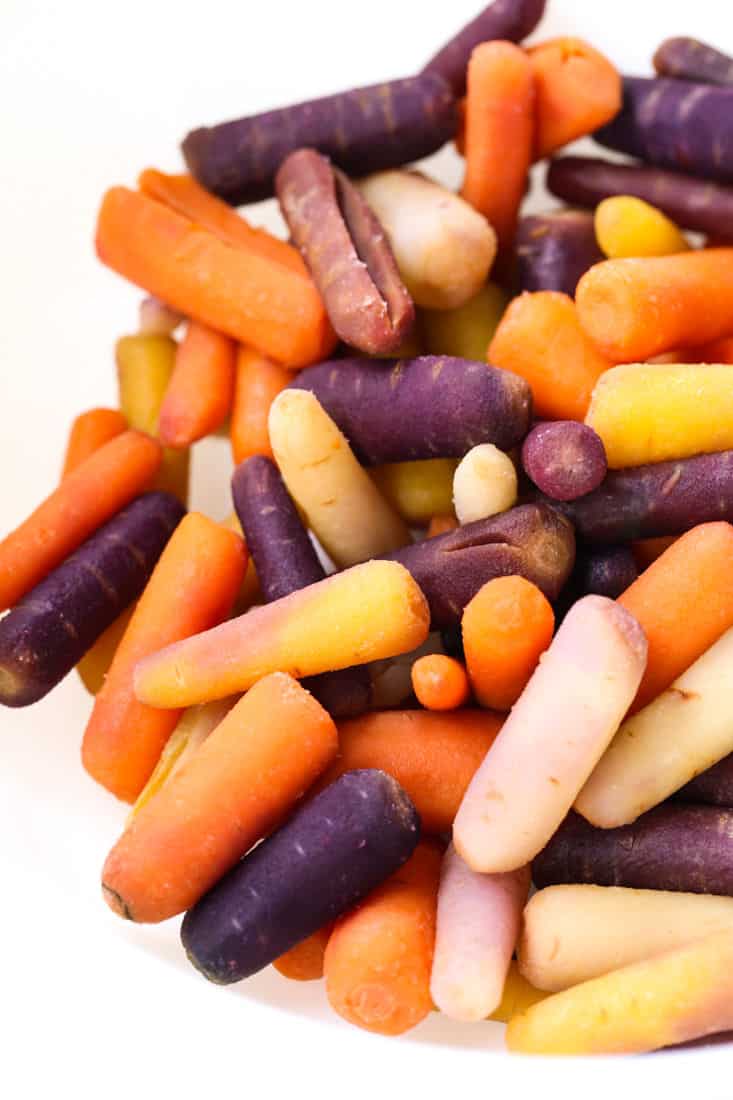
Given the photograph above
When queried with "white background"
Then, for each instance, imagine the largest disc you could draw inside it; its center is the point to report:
(90, 94)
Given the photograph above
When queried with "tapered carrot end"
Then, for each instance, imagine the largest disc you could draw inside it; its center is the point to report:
(115, 902)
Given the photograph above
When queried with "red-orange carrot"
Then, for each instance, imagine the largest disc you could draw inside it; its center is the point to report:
(199, 395)
(719, 351)
(507, 626)
(192, 588)
(257, 382)
(90, 431)
(440, 682)
(304, 962)
(231, 792)
(239, 292)
(94, 492)
(439, 525)
(499, 134)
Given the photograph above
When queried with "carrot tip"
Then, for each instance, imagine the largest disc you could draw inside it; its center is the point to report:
(116, 903)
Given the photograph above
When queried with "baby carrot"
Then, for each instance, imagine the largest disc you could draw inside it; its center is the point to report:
(199, 394)
(90, 431)
(239, 292)
(440, 525)
(577, 90)
(684, 603)
(235, 788)
(433, 756)
(94, 492)
(304, 962)
(192, 588)
(499, 134)
(635, 308)
(378, 959)
(94, 665)
(507, 626)
(440, 682)
(257, 382)
(540, 338)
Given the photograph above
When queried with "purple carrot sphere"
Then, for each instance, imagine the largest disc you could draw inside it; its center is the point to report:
(691, 59)
(607, 572)
(555, 250)
(431, 407)
(564, 458)
(363, 130)
(673, 847)
(510, 20)
(326, 858)
(51, 629)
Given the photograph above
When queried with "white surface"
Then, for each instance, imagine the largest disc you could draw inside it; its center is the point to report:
(91, 94)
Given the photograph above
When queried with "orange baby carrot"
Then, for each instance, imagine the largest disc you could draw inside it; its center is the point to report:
(635, 308)
(499, 134)
(257, 382)
(90, 495)
(379, 957)
(94, 665)
(439, 525)
(192, 588)
(239, 292)
(433, 756)
(245, 777)
(507, 626)
(90, 431)
(577, 90)
(540, 338)
(440, 682)
(187, 197)
(684, 603)
(199, 395)
(304, 962)
(719, 351)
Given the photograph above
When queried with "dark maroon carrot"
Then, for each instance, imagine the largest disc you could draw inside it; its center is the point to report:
(51, 629)
(713, 787)
(691, 59)
(362, 130)
(609, 571)
(555, 250)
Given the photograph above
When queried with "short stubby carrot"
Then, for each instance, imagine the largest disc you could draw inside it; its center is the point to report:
(633, 309)
(379, 957)
(199, 395)
(241, 782)
(241, 293)
(506, 627)
(540, 338)
(192, 587)
(90, 431)
(304, 962)
(440, 682)
(91, 494)
(257, 382)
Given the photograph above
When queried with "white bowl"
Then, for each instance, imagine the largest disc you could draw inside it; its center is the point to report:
(91, 95)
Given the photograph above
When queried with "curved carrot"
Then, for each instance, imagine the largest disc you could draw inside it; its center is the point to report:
(94, 492)
(440, 682)
(257, 382)
(192, 588)
(507, 626)
(304, 962)
(90, 431)
(199, 395)
(232, 791)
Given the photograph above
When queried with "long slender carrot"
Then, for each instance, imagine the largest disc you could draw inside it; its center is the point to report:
(192, 588)
(499, 134)
(187, 197)
(241, 293)
(199, 395)
(90, 431)
(440, 682)
(257, 382)
(379, 957)
(304, 962)
(507, 626)
(540, 338)
(94, 492)
(239, 784)
(684, 603)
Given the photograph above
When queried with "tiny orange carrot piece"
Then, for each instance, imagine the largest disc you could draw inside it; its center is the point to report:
(304, 962)
(257, 382)
(187, 197)
(379, 957)
(246, 776)
(90, 495)
(192, 588)
(440, 682)
(199, 395)
(239, 292)
(577, 88)
(540, 338)
(90, 431)
(440, 525)
(499, 134)
(507, 626)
